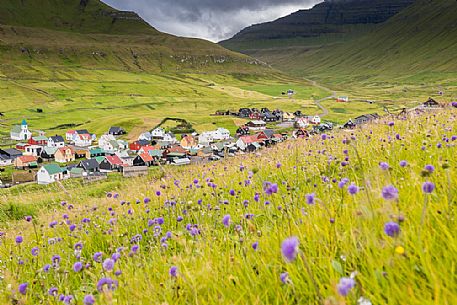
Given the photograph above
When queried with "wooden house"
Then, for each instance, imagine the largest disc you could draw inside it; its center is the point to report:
(24, 162)
(64, 155)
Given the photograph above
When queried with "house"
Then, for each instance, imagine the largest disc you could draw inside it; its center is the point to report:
(116, 131)
(244, 141)
(20, 132)
(255, 115)
(143, 160)
(300, 133)
(95, 152)
(266, 134)
(51, 173)
(38, 140)
(5, 160)
(188, 142)
(73, 135)
(33, 150)
(209, 137)
(56, 141)
(349, 125)
(243, 130)
(89, 166)
(125, 157)
(288, 117)
(157, 154)
(80, 153)
(64, 155)
(169, 138)
(145, 149)
(269, 117)
(70, 135)
(205, 152)
(11, 153)
(342, 99)
(430, 103)
(145, 136)
(315, 120)
(256, 125)
(136, 146)
(48, 153)
(21, 146)
(244, 112)
(83, 140)
(108, 142)
(363, 119)
(301, 122)
(26, 162)
(112, 163)
(175, 149)
(158, 133)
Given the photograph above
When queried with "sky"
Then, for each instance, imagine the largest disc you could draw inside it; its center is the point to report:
(213, 20)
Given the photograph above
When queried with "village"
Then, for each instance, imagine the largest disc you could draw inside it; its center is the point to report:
(81, 154)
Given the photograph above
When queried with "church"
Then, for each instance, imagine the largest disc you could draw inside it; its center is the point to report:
(21, 132)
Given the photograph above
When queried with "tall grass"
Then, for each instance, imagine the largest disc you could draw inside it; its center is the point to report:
(340, 234)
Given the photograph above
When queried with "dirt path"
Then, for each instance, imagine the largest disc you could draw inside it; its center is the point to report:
(318, 102)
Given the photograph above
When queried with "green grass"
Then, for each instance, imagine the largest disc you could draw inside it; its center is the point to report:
(276, 90)
(219, 265)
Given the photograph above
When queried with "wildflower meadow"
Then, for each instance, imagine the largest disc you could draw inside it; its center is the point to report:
(364, 216)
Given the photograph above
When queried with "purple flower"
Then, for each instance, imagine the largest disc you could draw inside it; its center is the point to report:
(135, 248)
(310, 198)
(403, 163)
(35, 251)
(428, 187)
(392, 229)
(52, 291)
(108, 264)
(391, 124)
(46, 268)
(226, 220)
(270, 188)
(72, 227)
(77, 267)
(19, 239)
(98, 257)
(28, 218)
(384, 166)
(353, 189)
(78, 246)
(106, 282)
(324, 137)
(345, 285)
(89, 299)
(289, 248)
(390, 193)
(284, 277)
(429, 168)
(173, 271)
(232, 192)
(23, 288)
(278, 165)
(255, 245)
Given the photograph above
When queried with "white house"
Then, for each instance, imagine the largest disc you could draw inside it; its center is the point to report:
(158, 133)
(51, 173)
(315, 120)
(169, 138)
(257, 125)
(108, 142)
(20, 132)
(302, 122)
(147, 136)
(56, 141)
(33, 150)
(83, 140)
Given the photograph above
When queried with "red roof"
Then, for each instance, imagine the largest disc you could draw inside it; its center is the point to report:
(148, 148)
(85, 136)
(27, 159)
(114, 160)
(65, 148)
(249, 139)
(71, 132)
(177, 149)
(146, 157)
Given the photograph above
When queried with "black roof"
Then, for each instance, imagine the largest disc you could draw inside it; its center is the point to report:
(89, 164)
(115, 129)
(57, 138)
(82, 131)
(269, 132)
(11, 152)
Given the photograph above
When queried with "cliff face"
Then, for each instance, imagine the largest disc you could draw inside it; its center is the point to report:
(327, 17)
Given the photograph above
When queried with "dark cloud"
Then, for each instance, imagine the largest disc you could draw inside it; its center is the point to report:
(209, 19)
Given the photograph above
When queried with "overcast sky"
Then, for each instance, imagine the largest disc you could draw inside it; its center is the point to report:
(209, 19)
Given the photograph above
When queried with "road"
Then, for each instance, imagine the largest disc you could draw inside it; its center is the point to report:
(318, 102)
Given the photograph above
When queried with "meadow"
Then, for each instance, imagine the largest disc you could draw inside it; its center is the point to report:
(363, 216)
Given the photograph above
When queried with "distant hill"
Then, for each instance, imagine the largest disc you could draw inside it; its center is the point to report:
(89, 33)
(416, 45)
(329, 18)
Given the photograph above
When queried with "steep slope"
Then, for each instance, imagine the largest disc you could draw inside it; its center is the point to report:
(89, 33)
(330, 19)
(82, 16)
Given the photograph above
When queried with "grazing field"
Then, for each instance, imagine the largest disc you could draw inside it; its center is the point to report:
(365, 216)
(98, 99)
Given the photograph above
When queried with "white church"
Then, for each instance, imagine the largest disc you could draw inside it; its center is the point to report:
(21, 132)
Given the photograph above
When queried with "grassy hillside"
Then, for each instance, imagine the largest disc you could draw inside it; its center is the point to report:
(411, 52)
(220, 233)
(82, 16)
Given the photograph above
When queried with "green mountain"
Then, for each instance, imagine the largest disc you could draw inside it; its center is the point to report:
(89, 33)
(327, 21)
(82, 16)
